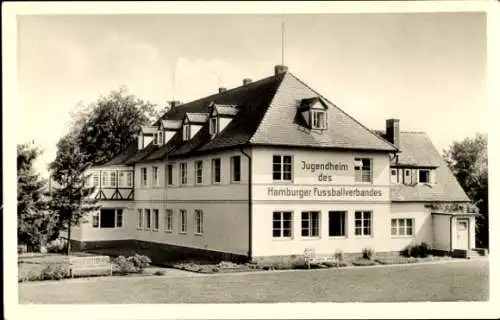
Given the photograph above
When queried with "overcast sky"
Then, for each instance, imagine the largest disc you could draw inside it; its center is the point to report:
(427, 69)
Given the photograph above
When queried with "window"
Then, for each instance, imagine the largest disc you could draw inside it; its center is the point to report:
(112, 179)
(186, 132)
(147, 218)
(144, 177)
(282, 224)
(109, 218)
(318, 119)
(310, 224)
(105, 179)
(214, 125)
(156, 219)
(183, 173)
(394, 176)
(169, 219)
(155, 138)
(402, 227)
(282, 167)
(363, 223)
(160, 138)
(198, 219)
(362, 170)
(183, 221)
(139, 219)
(336, 224)
(125, 179)
(156, 177)
(215, 170)
(198, 168)
(424, 176)
(236, 169)
(170, 174)
(95, 220)
(95, 179)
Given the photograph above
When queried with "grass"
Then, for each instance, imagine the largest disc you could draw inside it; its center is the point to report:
(464, 280)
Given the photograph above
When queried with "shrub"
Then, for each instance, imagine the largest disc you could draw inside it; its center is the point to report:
(159, 273)
(31, 275)
(368, 253)
(58, 245)
(424, 250)
(55, 272)
(124, 265)
(363, 262)
(139, 262)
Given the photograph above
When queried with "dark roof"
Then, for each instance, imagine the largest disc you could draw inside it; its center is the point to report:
(417, 149)
(122, 157)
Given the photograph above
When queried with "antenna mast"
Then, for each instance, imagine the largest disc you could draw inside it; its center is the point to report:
(283, 39)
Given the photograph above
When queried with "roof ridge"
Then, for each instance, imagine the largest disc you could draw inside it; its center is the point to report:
(348, 115)
(253, 83)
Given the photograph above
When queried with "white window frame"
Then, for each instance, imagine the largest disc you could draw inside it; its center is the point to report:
(140, 219)
(96, 216)
(155, 138)
(147, 219)
(198, 172)
(405, 224)
(198, 221)
(156, 176)
(281, 220)
(183, 173)
(315, 119)
(160, 137)
(170, 174)
(214, 170)
(282, 172)
(343, 226)
(213, 123)
(364, 224)
(125, 179)
(428, 176)
(233, 168)
(169, 220)
(144, 177)
(183, 221)
(186, 132)
(155, 219)
(394, 177)
(95, 179)
(360, 171)
(310, 228)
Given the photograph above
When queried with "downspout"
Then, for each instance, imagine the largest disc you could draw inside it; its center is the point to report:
(451, 235)
(249, 203)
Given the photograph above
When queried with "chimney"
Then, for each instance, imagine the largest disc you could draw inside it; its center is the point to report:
(222, 89)
(278, 69)
(246, 81)
(392, 131)
(174, 103)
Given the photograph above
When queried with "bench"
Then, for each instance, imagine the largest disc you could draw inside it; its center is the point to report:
(97, 263)
(310, 257)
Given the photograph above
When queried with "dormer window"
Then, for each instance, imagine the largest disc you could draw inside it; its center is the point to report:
(318, 120)
(186, 132)
(214, 125)
(155, 138)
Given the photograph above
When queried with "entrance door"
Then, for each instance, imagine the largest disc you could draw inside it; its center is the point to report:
(463, 234)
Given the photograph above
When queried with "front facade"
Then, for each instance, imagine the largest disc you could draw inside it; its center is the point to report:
(270, 169)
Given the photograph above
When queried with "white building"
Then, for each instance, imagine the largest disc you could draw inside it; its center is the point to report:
(268, 169)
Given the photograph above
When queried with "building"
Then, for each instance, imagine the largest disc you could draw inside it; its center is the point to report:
(265, 170)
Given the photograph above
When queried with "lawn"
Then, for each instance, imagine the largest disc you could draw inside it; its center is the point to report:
(454, 281)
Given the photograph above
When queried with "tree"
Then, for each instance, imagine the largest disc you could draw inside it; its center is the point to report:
(71, 200)
(110, 125)
(35, 224)
(468, 160)
(98, 132)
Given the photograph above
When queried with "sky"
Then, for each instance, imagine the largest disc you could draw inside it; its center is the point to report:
(426, 69)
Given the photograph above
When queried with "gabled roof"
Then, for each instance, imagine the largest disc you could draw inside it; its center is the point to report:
(308, 102)
(171, 124)
(225, 109)
(417, 149)
(265, 114)
(149, 129)
(197, 118)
